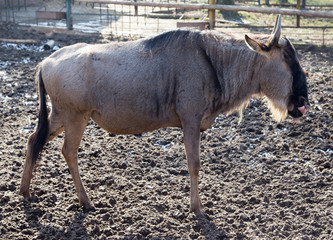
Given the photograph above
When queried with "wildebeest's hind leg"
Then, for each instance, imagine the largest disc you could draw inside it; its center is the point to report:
(74, 127)
(55, 127)
(191, 131)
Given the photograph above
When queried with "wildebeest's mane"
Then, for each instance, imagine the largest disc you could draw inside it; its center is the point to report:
(180, 36)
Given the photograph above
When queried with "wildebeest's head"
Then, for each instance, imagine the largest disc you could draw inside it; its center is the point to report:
(282, 79)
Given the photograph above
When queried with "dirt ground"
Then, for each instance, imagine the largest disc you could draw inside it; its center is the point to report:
(259, 179)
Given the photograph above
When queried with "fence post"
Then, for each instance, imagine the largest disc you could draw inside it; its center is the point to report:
(136, 9)
(211, 14)
(298, 18)
(7, 6)
(69, 19)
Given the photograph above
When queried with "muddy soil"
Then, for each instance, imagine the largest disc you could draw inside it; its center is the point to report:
(259, 179)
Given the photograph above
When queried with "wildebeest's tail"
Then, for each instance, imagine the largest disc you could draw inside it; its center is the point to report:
(38, 139)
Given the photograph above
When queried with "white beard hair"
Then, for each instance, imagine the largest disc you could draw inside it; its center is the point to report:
(278, 109)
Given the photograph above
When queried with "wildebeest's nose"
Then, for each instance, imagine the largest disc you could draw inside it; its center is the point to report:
(302, 109)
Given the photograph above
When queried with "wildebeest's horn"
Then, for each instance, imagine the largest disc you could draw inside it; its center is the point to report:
(276, 31)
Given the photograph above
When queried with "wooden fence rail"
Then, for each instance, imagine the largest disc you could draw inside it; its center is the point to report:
(304, 13)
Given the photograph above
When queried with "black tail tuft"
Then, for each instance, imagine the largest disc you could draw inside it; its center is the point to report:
(39, 138)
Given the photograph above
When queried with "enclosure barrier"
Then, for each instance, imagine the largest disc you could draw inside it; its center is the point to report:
(212, 7)
(148, 17)
(303, 13)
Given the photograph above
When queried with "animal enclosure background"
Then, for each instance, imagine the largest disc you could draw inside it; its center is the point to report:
(259, 179)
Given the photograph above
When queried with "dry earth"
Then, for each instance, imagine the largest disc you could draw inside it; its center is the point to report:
(259, 179)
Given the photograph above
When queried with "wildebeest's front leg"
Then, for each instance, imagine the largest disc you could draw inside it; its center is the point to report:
(191, 132)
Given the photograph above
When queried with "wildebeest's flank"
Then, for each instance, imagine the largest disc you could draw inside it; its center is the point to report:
(177, 79)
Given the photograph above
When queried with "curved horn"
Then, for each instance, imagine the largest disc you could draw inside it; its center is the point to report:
(276, 31)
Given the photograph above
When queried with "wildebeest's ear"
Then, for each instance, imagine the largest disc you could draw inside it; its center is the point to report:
(255, 45)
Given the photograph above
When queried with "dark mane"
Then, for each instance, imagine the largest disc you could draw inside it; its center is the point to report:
(184, 37)
(176, 37)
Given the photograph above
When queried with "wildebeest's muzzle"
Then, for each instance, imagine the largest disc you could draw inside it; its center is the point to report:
(300, 106)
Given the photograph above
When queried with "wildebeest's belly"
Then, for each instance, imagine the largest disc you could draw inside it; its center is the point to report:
(133, 122)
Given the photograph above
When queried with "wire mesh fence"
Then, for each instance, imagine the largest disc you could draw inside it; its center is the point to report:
(124, 20)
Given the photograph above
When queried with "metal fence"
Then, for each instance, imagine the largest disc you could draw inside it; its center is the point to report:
(128, 20)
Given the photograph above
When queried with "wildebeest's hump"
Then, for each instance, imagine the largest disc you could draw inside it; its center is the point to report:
(176, 38)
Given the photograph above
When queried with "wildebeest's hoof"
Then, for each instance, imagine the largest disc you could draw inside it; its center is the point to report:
(201, 215)
(28, 198)
(197, 209)
(89, 208)
(26, 194)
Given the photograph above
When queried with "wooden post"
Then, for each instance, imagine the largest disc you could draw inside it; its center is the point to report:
(69, 19)
(211, 14)
(7, 6)
(136, 12)
(298, 18)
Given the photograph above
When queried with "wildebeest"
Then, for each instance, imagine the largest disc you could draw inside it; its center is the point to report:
(180, 78)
